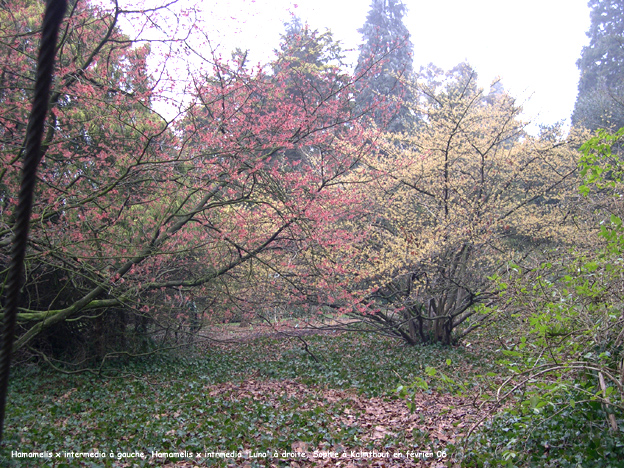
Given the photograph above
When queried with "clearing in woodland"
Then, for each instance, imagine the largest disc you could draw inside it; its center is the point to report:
(255, 396)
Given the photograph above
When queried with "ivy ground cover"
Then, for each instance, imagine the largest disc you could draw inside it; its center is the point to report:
(327, 400)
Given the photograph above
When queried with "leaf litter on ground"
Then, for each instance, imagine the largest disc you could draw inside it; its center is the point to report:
(264, 392)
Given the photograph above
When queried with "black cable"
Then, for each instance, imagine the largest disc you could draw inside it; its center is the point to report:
(55, 10)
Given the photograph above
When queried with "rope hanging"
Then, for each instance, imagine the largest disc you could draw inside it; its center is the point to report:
(55, 10)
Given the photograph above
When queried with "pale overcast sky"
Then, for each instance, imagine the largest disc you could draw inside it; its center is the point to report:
(532, 45)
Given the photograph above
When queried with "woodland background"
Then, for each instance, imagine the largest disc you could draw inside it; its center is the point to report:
(181, 192)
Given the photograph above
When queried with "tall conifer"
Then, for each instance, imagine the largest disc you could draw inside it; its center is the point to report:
(388, 51)
(600, 99)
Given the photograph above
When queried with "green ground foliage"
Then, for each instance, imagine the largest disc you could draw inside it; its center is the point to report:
(194, 402)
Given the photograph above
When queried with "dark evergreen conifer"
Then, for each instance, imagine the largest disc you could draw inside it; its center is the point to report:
(311, 64)
(387, 52)
(600, 99)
